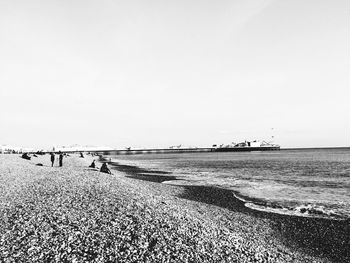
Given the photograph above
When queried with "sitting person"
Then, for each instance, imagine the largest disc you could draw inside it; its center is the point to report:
(105, 169)
(26, 156)
(93, 165)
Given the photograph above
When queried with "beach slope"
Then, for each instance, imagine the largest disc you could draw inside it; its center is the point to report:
(76, 214)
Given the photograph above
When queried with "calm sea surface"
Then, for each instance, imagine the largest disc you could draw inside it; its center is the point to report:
(300, 182)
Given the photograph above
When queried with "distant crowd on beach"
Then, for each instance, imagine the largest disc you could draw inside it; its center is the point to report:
(104, 167)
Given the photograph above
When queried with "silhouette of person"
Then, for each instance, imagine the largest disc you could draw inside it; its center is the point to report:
(61, 159)
(92, 165)
(105, 169)
(52, 158)
(26, 156)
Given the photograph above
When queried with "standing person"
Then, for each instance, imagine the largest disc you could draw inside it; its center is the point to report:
(52, 158)
(61, 159)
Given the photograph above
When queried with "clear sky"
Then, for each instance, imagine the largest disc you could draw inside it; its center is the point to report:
(160, 73)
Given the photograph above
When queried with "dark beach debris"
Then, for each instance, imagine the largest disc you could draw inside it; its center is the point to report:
(143, 174)
(131, 169)
(152, 178)
(39, 164)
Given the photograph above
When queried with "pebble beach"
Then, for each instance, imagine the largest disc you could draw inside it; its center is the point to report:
(77, 214)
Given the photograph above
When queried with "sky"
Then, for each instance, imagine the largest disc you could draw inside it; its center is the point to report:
(161, 73)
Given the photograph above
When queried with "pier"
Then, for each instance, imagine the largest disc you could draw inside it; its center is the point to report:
(129, 151)
(153, 151)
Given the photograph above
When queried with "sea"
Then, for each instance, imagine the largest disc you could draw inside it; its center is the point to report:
(301, 182)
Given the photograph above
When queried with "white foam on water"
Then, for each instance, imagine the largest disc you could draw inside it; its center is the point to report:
(309, 210)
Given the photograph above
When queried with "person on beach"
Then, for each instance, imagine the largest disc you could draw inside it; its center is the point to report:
(52, 158)
(105, 169)
(26, 156)
(93, 165)
(61, 159)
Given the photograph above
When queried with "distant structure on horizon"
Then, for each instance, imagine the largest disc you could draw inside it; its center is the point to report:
(6, 149)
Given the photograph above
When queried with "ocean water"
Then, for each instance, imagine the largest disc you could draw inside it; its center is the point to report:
(306, 182)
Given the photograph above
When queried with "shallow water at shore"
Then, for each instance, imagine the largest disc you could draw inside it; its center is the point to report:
(313, 182)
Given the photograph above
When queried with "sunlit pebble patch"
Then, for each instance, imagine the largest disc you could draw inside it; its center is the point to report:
(71, 215)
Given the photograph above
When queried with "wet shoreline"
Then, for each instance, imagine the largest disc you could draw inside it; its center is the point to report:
(326, 238)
